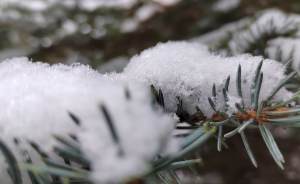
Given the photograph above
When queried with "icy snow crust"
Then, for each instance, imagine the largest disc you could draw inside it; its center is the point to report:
(36, 97)
(188, 70)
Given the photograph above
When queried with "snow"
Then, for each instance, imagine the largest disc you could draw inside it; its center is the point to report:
(56, 20)
(189, 70)
(272, 21)
(248, 29)
(129, 25)
(33, 5)
(288, 50)
(36, 99)
(213, 38)
(94, 4)
(70, 26)
(146, 11)
(225, 5)
(142, 14)
(238, 36)
(167, 2)
(89, 5)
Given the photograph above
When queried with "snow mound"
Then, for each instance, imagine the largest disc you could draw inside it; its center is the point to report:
(188, 70)
(36, 99)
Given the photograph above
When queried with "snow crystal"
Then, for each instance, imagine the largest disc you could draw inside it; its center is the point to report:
(188, 70)
(36, 98)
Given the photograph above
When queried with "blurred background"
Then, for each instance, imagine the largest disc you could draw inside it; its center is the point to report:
(106, 33)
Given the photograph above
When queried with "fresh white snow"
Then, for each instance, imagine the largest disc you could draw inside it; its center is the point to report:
(188, 70)
(36, 99)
